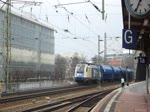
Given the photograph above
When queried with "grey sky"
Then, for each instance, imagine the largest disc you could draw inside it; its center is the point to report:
(84, 25)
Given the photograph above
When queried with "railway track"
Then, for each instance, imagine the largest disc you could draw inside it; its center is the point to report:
(34, 91)
(76, 104)
(53, 97)
(45, 93)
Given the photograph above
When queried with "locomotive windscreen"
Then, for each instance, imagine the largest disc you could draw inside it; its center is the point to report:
(80, 68)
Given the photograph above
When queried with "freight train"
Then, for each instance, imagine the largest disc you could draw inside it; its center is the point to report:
(87, 73)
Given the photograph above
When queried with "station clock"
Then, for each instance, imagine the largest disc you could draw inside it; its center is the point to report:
(138, 8)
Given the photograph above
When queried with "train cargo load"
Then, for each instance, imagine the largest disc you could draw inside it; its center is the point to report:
(106, 73)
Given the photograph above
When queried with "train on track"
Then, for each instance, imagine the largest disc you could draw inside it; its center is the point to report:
(88, 73)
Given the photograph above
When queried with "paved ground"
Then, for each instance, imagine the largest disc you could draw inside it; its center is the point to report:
(132, 98)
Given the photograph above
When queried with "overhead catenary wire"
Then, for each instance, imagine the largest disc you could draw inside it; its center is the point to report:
(78, 19)
(72, 14)
(5, 2)
(78, 43)
(78, 38)
(68, 30)
(69, 11)
(71, 3)
(108, 4)
(69, 49)
(82, 23)
(65, 30)
(96, 7)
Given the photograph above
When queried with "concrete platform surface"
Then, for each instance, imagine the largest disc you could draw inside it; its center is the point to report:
(132, 98)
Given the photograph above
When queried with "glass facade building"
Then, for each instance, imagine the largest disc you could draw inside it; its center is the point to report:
(32, 48)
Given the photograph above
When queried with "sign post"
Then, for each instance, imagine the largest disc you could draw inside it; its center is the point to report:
(0, 89)
(144, 61)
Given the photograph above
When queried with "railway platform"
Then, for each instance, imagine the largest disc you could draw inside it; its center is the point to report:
(132, 98)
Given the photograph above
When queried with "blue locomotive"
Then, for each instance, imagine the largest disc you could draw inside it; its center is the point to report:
(86, 73)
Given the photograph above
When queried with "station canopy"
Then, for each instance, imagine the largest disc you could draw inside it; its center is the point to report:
(142, 26)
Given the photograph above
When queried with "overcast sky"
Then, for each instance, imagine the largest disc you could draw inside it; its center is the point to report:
(84, 24)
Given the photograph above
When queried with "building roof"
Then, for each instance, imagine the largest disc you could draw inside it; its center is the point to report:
(30, 17)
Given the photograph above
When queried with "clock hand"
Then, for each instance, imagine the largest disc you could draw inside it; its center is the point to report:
(138, 5)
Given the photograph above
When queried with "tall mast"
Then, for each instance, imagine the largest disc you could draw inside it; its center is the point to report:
(7, 46)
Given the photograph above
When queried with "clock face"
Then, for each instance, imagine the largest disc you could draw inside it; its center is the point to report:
(138, 8)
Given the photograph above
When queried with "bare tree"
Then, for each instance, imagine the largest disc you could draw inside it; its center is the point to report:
(75, 60)
(95, 59)
(83, 59)
(72, 62)
(65, 66)
(60, 67)
(129, 62)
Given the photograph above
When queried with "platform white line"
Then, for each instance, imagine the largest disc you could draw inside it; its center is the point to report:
(107, 109)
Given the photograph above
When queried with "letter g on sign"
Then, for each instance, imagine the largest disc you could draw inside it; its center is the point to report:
(128, 36)
(129, 39)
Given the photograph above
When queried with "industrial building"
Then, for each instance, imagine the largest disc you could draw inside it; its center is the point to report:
(31, 48)
(122, 60)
